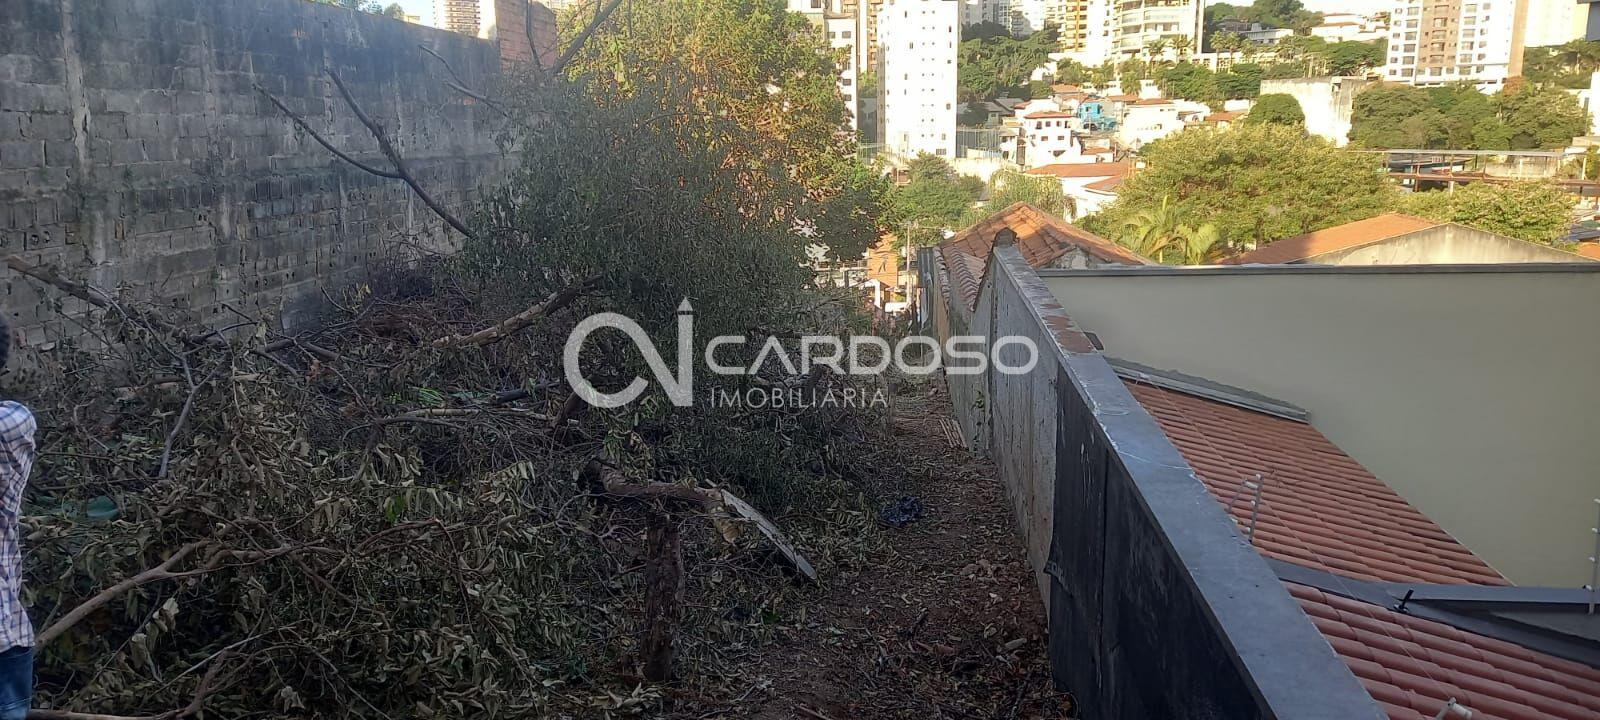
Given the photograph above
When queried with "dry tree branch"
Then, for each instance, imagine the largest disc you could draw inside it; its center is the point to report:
(301, 122)
(164, 571)
(583, 37)
(511, 325)
(207, 687)
(460, 86)
(395, 158)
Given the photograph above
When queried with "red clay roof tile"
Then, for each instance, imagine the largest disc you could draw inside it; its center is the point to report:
(1338, 237)
(1083, 170)
(1041, 238)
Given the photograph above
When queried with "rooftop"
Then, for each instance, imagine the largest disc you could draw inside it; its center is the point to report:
(1047, 115)
(1338, 237)
(1042, 238)
(1320, 509)
(1083, 170)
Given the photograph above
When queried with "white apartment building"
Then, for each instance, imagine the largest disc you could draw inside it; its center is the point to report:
(917, 52)
(842, 28)
(1137, 22)
(1432, 42)
(1342, 27)
(1554, 22)
(460, 16)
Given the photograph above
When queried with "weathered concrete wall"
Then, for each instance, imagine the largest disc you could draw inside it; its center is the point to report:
(1158, 609)
(1326, 101)
(135, 151)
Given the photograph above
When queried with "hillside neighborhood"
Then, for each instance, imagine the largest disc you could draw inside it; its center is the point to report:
(814, 359)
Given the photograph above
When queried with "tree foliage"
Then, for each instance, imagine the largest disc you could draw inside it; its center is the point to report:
(936, 199)
(1568, 65)
(375, 522)
(1460, 117)
(995, 65)
(1535, 212)
(1255, 183)
(1007, 187)
(1270, 13)
(1276, 109)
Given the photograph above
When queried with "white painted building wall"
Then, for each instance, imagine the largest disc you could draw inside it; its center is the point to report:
(1326, 101)
(1554, 22)
(1136, 22)
(917, 44)
(1143, 124)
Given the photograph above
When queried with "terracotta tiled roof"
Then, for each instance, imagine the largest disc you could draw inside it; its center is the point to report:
(1041, 238)
(1047, 115)
(1064, 88)
(1153, 101)
(1320, 508)
(1223, 116)
(1123, 98)
(1338, 237)
(1412, 667)
(1083, 170)
(1589, 250)
(1108, 185)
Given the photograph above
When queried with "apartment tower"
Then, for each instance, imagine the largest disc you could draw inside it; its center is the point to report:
(1433, 42)
(917, 44)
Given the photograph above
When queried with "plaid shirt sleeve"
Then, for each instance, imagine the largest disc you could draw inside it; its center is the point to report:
(17, 451)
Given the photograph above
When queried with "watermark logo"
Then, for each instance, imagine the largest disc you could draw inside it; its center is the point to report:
(912, 355)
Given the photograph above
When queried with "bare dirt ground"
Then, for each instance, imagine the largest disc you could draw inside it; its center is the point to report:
(945, 623)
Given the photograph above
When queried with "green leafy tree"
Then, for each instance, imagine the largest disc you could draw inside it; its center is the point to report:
(1458, 116)
(1255, 183)
(1242, 81)
(1277, 109)
(1190, 82)
(1535, 212)
(1011, 186)
(1540, 117)
(1352, 57)
(989, 66)
(1072, 72)
(1131, 83)
(935, 199)
(1154, 48)
(1568, 65)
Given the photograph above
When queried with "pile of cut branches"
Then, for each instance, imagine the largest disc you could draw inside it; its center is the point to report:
(380, 519)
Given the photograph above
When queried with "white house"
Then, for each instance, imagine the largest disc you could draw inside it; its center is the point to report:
(917, 41)
(1089, 186)
(1342, 27)
(1051, 137)
(1147, 120)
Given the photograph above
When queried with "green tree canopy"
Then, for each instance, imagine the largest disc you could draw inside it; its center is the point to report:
(1568, 65)
(1536, 212)
(1255, 183)
(992, 65)
(936, 199)
(1277, 109)
(1012, 186)
(1460, 117)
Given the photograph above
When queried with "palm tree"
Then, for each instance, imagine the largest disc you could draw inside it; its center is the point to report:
(1154, 47)
(1181, 44)
(1197, 245)
(1159, 233)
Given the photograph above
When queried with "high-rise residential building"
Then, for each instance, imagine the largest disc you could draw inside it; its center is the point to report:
(1433, 42)
(917, 40)
(1553, 22)
(842, 28)
(462, 16)
(1085, 27)
(1138, 22)
(982, 11)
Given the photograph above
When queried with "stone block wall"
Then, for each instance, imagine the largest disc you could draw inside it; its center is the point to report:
(136, 152)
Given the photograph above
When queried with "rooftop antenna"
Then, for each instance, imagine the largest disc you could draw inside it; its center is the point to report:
(1254, 488)
(1594, 561)
(1453, 709)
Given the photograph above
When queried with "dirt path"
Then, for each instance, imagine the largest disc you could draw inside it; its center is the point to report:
(947, 625)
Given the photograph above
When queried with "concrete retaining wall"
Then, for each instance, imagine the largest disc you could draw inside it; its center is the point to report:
(1158, 609)
(136, 153)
